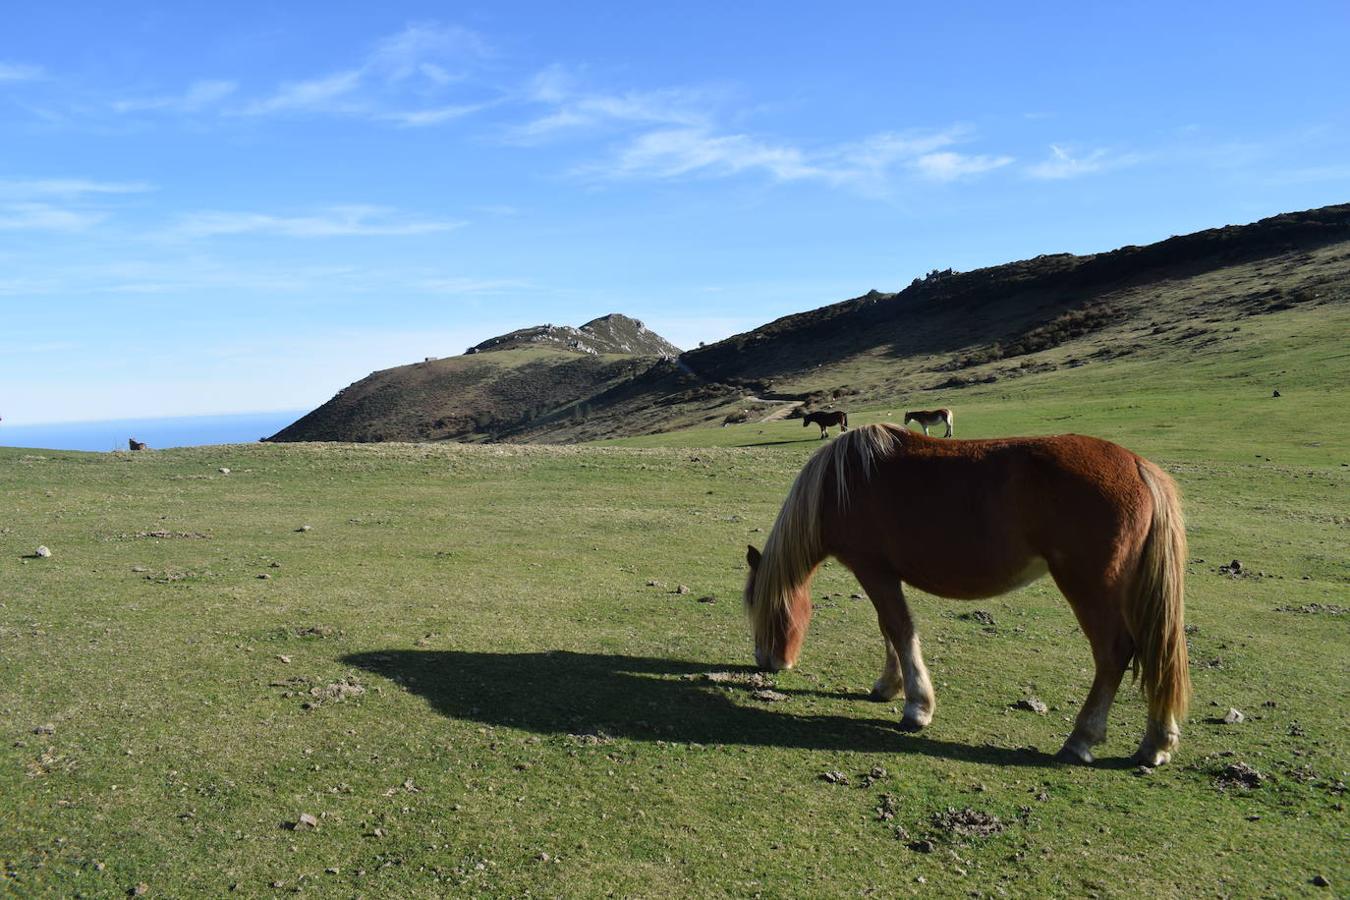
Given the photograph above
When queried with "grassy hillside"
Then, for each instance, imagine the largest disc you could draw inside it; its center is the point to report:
(475, 672)
(496, 389)
(470, 398)
(930, 344)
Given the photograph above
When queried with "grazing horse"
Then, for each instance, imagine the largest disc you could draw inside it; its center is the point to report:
(825, 419)
(998, 514)
(136, 445)
(927, 418)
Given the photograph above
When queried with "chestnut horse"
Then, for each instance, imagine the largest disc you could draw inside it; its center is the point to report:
(927, 418)
(997, 514)
(825, 419)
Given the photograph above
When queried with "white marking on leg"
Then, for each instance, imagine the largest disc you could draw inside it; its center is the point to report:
(919, 700)
(1159, 742)
(892, 680)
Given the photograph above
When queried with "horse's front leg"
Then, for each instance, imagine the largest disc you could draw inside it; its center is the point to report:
(904, 658)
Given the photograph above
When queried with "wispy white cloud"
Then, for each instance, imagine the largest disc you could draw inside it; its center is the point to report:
(1065, 163)
(395, 82)
(336, 221)
(12, 71)
(435, 115)
(868, 165)
(45, 217)
(199, 95)
(950, 166)
(70, 187)
(671, 153)
(326, 94)
(571, 110)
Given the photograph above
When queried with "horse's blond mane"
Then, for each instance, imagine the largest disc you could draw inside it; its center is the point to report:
(794, 548)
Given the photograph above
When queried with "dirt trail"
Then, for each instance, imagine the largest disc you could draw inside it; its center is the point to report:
(785, 407)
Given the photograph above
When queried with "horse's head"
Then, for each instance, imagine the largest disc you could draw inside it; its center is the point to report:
(806, 420)
(778, 617)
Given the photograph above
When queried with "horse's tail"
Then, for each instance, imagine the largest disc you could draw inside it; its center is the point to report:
(1155, 607)
(795, 546)
(843, 420)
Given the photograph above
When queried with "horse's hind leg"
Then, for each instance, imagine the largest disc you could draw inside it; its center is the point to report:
(904, 659)
(1112, 648)
(892, 679)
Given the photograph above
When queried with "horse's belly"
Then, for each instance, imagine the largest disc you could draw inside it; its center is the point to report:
(974, 582)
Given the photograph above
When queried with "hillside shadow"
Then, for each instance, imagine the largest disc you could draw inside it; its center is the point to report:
(646, 699)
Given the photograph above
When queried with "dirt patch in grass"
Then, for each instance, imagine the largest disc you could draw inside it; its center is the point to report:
(967, 823)
(1238, 775)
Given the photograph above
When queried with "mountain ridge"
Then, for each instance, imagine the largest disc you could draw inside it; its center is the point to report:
(940, 333)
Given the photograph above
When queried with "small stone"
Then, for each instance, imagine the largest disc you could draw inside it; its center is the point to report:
(224, 471)
(833, 777)
(140, 890)
(42, 552)
(855, 596)
(1235, 566)
(1032, 704)
(306, 821)
(707, 599)
(263, 576)
(1233, 716)
(652, 582)
(1320, 881)
(283, 658)
(140, 568)
(682, 589)
(543, 857)
(304, 528)
(769, 696)
(1144, 770)
(49, 728)
(924, 846)
(278, 884)
(332, 870)
(919, 879)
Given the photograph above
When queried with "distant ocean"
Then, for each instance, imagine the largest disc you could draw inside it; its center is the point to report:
(160, 434)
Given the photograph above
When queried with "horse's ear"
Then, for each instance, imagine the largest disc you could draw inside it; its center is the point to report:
(752, 556)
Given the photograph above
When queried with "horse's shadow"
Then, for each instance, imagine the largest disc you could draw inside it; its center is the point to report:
(646, 699)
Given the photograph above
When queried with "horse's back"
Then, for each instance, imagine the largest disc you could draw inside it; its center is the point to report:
(973, 518)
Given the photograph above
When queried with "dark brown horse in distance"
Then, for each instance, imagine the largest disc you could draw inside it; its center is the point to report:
(997, 514)
(825, 419)
(137, 445)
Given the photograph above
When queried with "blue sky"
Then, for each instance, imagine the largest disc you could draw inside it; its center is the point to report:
(210, 208)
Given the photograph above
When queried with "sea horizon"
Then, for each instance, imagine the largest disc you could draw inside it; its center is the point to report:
(159, 432)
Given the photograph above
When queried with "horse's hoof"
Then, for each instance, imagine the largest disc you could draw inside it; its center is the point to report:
(1075, 756)
(880, 693)
(911, 724)
(1151, 758)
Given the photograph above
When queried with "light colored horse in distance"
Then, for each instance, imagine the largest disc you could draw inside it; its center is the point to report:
(997, 515)
(927, 418)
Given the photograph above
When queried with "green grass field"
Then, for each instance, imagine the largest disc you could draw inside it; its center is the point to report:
(474, 670)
